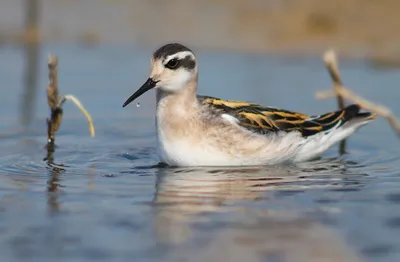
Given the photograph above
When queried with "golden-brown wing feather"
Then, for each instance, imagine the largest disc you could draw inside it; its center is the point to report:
(264, 120)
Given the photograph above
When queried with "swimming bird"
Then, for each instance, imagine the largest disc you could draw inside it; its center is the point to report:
(194, 130)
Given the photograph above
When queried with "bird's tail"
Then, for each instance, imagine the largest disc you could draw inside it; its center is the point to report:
(353, 117)
(352, 120)
(345, 123)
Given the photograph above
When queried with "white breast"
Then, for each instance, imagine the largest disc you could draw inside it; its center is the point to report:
(181, 143)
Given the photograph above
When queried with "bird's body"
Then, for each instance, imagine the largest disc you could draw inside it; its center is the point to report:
(195, 130)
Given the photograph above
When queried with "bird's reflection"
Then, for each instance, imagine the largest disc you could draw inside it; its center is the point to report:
(194, 190)
(184, 196)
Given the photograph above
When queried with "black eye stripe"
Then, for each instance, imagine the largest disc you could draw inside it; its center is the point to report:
(187, 62)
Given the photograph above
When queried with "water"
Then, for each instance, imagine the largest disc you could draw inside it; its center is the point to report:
(105, 199)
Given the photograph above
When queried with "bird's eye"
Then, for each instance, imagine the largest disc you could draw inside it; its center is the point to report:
(173, 63)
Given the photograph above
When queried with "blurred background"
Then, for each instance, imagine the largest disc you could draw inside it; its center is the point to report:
(355, 28)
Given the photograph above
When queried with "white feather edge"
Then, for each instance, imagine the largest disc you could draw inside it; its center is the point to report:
(230, 119)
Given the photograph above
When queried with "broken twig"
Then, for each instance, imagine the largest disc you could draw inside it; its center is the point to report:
(362, 102)
(55, 102)
(333, 69)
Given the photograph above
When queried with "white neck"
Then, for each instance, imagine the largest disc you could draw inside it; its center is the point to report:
(183, 100)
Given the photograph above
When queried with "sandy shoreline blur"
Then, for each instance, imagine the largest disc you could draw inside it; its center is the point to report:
(356, 28)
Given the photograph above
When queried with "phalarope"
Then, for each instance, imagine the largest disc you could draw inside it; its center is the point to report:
(195, 130)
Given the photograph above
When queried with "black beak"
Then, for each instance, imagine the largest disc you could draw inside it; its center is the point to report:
(150, 83)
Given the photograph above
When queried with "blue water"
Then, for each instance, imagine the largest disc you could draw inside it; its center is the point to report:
(105, 200)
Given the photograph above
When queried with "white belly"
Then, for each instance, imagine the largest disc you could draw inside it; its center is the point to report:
(183, 153)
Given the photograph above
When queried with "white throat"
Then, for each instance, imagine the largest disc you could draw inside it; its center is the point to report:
(177, 82)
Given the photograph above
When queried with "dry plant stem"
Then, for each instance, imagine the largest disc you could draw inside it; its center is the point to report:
(53, 123)
(333, 69)
(364, 103)
(53, 100)
(332, 66)
(83, 110)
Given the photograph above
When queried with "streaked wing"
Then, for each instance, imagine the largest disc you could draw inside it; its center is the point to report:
(264, 120)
